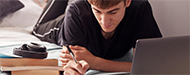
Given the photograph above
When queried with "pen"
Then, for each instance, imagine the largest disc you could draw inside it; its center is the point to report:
(71, 53)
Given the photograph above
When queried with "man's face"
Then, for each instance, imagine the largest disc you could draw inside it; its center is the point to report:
(109, 18)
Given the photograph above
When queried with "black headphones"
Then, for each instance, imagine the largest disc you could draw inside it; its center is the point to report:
(32, 50)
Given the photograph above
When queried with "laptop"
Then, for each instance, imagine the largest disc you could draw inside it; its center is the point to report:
(162, 56)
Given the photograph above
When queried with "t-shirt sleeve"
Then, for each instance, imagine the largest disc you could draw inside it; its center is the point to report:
(72, 29)
(147, 26)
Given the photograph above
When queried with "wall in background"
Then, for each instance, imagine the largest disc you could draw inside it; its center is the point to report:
(172, 16)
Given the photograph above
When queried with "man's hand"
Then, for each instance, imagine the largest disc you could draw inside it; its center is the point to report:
(73, 68)
(97, 63)
(81, 53)
(65, 56)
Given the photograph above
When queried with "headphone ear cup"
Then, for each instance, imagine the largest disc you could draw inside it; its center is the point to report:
(24, 47)
(32, 50)
(36, 47)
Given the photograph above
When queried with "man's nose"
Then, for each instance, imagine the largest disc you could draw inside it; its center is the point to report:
(105, 19)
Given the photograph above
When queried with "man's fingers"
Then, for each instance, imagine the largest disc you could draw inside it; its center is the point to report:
(73, 68)
(64, 64)
(66, 73)
(65, 55)
(84, 65)
(70, 71)
(64, 60)
(64, 50)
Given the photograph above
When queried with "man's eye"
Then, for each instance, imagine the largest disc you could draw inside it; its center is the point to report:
(113, 12)
(98, 12)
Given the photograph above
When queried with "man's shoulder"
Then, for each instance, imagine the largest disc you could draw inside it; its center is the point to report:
(82, 9)
(139, 1)
(139, 6)
(80, 3)
(80, 6)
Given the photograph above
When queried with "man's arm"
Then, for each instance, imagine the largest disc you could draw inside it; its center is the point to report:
(109, 65)
(104, 65)
(97, 63)
(134, 49)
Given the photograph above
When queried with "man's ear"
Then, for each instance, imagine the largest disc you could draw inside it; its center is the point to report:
(128, 3)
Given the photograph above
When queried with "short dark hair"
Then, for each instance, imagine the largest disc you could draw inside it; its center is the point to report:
(104, 4)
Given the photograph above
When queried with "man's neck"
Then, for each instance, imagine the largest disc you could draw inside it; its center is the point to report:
(107, 35)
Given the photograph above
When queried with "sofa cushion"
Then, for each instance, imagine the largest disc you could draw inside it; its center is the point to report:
(9, 6)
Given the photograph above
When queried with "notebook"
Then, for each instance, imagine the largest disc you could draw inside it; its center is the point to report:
(162, 56)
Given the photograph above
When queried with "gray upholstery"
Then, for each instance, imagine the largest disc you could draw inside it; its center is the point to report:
(172, 16)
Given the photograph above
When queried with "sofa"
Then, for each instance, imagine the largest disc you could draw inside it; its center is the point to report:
(17, 19)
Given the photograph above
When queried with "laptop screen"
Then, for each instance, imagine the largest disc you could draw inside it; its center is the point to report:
(162, 56)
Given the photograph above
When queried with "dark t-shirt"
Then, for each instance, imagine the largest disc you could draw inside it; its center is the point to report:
(80, 27)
